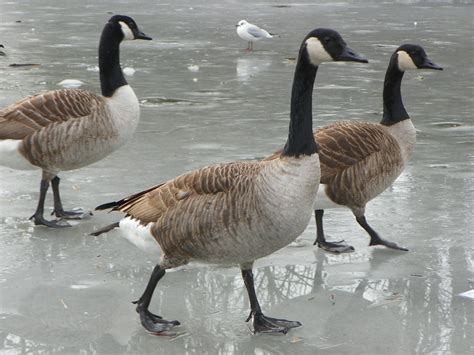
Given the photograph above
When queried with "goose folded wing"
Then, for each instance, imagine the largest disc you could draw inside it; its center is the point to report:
(188, 189)
(33, 113)
(346, 145)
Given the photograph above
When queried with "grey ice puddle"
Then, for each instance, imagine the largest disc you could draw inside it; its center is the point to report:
(249, 67)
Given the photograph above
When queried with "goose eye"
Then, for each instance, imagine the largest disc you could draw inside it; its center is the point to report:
(326, 40)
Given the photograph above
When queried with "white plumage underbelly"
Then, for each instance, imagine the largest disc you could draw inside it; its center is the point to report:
(139, 235)
(11, 158)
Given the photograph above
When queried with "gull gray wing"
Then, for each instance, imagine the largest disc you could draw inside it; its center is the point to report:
(257, 32)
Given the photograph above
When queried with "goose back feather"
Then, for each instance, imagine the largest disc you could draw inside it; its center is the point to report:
(69, 129)
(33, 113)
(358, 161)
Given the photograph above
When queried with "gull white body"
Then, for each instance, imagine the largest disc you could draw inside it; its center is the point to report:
(251, 33)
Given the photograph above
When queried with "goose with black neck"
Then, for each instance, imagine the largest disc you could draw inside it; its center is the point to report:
(69, 129)
(359, 160)
(236, 213)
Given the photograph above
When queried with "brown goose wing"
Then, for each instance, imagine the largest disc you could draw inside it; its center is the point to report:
(190, 189)
(346, 144)
(33, 113)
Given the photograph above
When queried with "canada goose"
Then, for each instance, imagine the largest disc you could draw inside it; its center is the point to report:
(69, 129)
(251, 33)
(238, 212)
(359, 160)
(2, 53)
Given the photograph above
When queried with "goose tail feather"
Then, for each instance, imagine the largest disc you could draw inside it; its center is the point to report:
(107, 206)
(105, 229)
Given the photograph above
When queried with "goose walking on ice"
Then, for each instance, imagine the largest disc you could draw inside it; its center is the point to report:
(238, 212)
(69, 129)
(360, 160)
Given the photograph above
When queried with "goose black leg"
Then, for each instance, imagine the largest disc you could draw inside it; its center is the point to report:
(332, 247)
(261, 323)
(58, 206)
(375, 239)
(152, 322)
(38, 217)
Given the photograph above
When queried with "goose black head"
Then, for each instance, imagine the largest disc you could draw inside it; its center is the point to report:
(326, 45)
(412, 56)
(128, 28)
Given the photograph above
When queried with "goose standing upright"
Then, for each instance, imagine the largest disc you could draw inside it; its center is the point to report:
(238, 212)
(69, 129)
(359, 160)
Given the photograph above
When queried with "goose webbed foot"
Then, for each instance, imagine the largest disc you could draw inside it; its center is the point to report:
(155, 324)
(335, 247)
(41, 221)
(332, 247)
(77, 213)
(264, 324)
(375, 239)
(386, 243)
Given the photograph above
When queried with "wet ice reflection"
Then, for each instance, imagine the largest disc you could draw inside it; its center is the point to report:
(66, 292)
(249, 67)
(347, 312)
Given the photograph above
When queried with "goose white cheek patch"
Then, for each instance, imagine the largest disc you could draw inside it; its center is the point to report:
(405, 62)
(127, 32)
(317, 53)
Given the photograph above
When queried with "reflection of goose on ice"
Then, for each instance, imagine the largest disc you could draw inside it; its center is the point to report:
(345, 312)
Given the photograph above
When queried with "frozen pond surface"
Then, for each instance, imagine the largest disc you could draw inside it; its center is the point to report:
(62, 291)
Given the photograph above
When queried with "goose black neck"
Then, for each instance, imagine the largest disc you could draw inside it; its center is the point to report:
(300, 136)
(393, 109)
(111, 76)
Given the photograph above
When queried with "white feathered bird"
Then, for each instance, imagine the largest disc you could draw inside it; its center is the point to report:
(250, 33)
